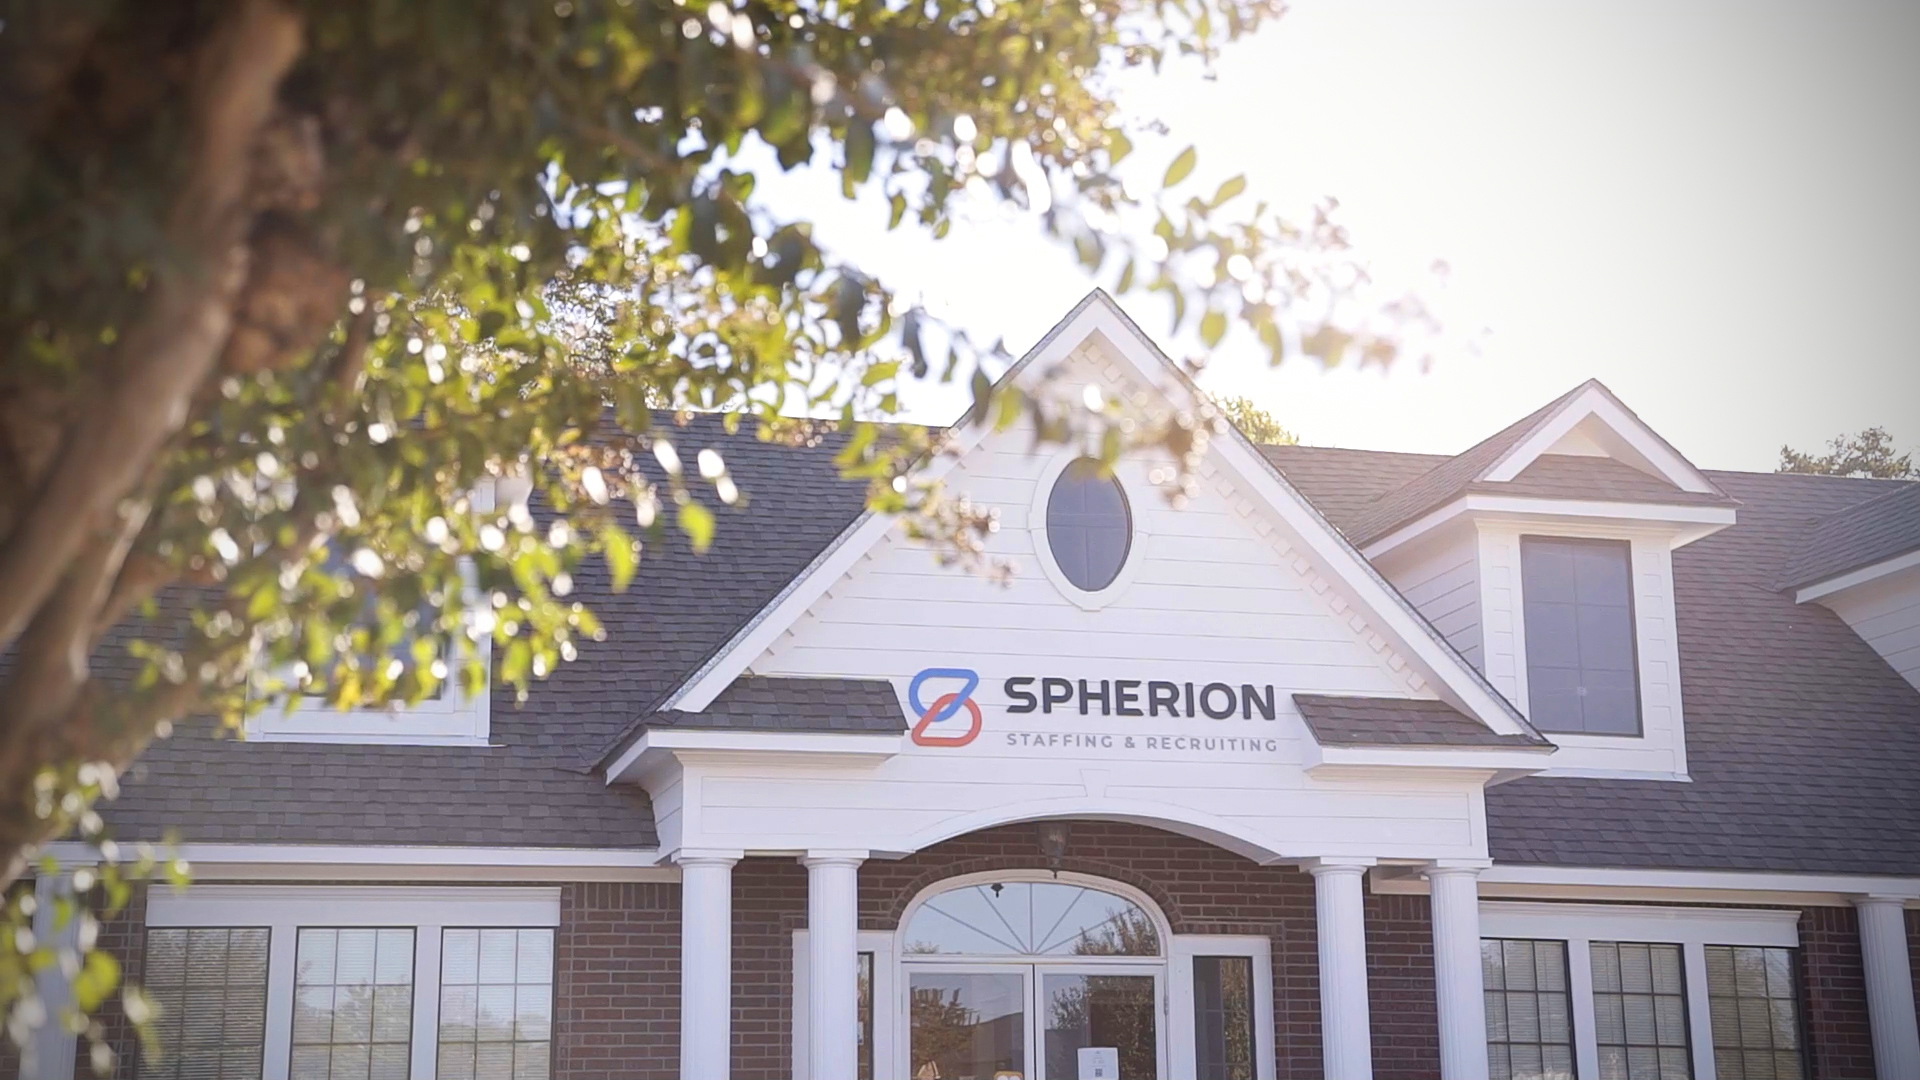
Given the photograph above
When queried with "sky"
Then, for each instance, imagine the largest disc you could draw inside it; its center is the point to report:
(1711, 206)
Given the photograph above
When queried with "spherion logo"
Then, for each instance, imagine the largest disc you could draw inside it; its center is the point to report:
(933, 728)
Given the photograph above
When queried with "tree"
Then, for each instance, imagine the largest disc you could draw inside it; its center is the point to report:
(1870, 453)
(286, 282)
(1255, 422)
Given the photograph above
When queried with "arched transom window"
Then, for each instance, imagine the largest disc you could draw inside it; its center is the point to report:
(1030, 918)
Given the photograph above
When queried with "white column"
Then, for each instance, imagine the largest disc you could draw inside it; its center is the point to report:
(1346, 1032)
(1456, 970)
(706, 964)
(833, 981)
(49, 1054)
(1883, 951)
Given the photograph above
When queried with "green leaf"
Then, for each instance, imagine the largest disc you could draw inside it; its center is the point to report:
(697, 522)
(859, 152)
(1213, 327)
(622, 559)
(1118, 145)
(1229, 189)
(899, 202)
(1181, 167)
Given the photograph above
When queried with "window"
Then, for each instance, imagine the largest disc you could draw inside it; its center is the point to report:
(348, 976)
(496, 1004)
(863, 1015)
(1223, 1010)
(1640, 1011)
(1031, 918)
(353, 1004)
(1089, 526)
(1756, 1021)
(1660, 993)
(1529, 1026)
(1578, 609)
(210, 985)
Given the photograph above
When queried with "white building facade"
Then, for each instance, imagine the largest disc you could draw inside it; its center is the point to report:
(1559, 758)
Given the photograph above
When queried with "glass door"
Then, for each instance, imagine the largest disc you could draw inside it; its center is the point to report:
(1022, 1022)
(1098, 1023)
(969, 1023)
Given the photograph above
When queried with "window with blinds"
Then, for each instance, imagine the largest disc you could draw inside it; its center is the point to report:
(1529, 1030)
(1640, 1011)
(210, 987)
(353, 1003)
(1756, 1017)
(496, 1004)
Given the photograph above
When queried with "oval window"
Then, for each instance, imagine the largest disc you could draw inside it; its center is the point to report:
(1089, 527)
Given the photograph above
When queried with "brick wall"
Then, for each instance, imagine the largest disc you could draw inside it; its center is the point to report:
(617, 982)
(124, 936)
(1400, 988)
(1834, 995)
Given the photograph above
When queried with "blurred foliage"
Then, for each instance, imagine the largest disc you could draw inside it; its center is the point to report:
(1870, 453)
(299, 301)
(1255, 422)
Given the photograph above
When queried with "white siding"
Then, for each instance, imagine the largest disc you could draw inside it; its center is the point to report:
(1886, 615)
(1215, 591)
(1441, 578)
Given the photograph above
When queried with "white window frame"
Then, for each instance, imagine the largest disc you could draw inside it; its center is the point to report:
(1659, 751)
(283, 910)
(880, 944)
(1183, 1047)
(1043, 546)
(890, 996)
(452, 719)
(1693, 929)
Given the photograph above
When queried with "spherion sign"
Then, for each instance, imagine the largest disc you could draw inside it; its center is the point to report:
(950, 717)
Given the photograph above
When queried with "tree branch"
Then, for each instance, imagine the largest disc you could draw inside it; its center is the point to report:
(170, 350)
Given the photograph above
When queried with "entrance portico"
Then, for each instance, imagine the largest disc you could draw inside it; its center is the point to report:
(1128, 912)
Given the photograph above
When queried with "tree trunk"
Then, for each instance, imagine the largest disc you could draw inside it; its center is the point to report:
(53, 555)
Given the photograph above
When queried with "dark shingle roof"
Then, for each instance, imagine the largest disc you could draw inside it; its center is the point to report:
(1566, 476)
(1371, 721)
(225, 791)
(1858, 536)
(758, 703)
(1549, 476)
(1450, 477)
(535, 786)
(1802, 743)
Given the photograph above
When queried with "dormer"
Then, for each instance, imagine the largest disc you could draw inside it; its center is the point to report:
(1864, 564)
(1544, 554)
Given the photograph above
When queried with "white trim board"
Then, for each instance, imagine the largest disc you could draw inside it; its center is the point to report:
(1672, 886)
(1774, 927)
(1820, 590)
(1684, 523)
(337, 862)
(1637, 444)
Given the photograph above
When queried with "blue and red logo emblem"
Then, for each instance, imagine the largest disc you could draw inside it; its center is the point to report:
(937, 726)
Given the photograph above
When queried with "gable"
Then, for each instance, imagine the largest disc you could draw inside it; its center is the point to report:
(1096, 344)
